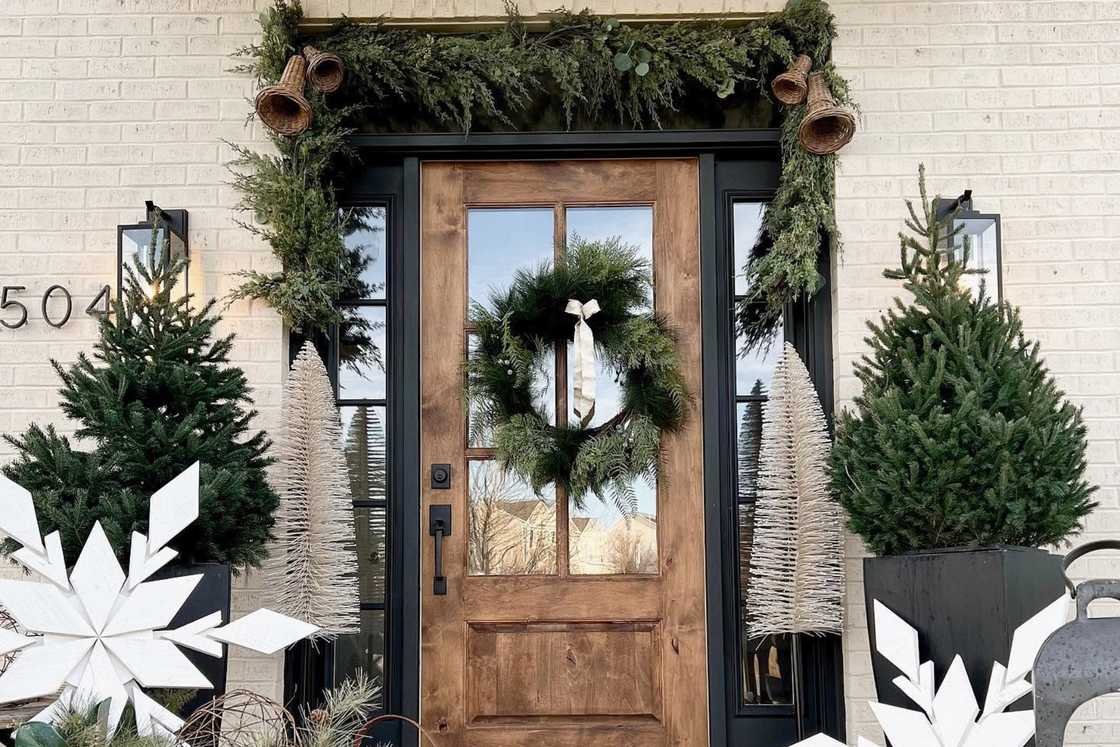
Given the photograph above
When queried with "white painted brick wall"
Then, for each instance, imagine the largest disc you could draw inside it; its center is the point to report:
(104, 104)
(1019, 101)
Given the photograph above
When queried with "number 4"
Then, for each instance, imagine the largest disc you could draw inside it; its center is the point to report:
(101, 298)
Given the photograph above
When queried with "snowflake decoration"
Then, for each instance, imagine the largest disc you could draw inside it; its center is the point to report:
(949, 715)
(100, 636)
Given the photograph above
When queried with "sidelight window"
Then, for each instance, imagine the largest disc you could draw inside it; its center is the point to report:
(765, 663)
(363, 399)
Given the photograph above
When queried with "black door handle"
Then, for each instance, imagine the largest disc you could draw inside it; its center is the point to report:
(439, 526)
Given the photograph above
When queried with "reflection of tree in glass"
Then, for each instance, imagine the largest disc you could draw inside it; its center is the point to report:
(507, 537)
(766, 660)
(750, 440)
(356, 349)
(629, 551)
(365, 461)
(361, 228)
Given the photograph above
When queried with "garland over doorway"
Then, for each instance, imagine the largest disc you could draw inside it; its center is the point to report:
(601, 72)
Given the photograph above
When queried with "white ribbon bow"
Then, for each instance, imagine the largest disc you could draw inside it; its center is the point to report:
(583, 367)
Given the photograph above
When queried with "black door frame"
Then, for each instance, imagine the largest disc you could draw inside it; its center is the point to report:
(819, 702)
(732, 162)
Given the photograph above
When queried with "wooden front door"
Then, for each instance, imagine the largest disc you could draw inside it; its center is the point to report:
(560, 626)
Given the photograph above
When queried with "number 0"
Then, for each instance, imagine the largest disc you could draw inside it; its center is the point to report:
(69, 306)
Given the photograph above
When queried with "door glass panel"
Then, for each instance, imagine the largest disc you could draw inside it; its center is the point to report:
(501, 241)
(363, 444)
(478, 436)
(361, 353)
(511, 530)
(747, 224)
(363, 232)
(601, 538)
(363, 651)
(369, 524)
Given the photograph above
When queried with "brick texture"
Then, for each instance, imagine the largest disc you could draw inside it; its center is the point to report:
(1019, 102)
(106, 103)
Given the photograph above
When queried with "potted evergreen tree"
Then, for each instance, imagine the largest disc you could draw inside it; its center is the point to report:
(961, 459)
(156, 396)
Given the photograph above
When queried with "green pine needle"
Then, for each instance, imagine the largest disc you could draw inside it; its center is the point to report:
(415, 80)
(961, 436)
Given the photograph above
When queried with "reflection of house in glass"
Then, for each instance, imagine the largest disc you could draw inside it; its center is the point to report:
(513, 532)
(512, 537)
(625, 546)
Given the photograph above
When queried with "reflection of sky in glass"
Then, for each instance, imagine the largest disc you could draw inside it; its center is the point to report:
(758, 365)
(603, 510)
(359, 374)
(368, 239)
(489, 480)
(747, 222)
(634, 224)
(501, 241)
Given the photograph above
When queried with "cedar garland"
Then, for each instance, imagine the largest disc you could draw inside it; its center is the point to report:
(602, 73)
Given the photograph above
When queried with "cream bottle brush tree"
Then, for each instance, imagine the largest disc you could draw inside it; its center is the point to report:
(313, 570)
(796, 567)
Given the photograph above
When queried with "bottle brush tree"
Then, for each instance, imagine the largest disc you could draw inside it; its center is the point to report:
(313, 571)
(156, 396)
(960, 437)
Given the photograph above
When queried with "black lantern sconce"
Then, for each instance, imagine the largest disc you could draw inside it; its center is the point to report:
(980, 232)
(161, 237)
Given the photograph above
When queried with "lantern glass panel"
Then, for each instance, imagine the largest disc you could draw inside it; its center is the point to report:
(150, 248)
(981, 236)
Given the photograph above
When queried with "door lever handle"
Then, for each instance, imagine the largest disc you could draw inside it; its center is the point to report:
(439, 526)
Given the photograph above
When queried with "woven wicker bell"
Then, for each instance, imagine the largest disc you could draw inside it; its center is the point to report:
(282, 107)
(791, 86)
(324, 69)
(827, 127)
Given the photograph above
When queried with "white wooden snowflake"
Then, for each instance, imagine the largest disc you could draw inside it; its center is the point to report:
(99, 636)
(950, 716)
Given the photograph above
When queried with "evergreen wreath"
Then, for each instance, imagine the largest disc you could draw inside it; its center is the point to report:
(514, 339)
(601, 73)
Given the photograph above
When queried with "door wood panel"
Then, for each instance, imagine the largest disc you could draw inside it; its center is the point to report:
(541, 671)
(559, 660)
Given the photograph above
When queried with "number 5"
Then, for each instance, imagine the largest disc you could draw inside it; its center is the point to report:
(5, 302)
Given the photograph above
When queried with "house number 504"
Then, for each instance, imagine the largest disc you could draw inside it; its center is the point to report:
(9, 305)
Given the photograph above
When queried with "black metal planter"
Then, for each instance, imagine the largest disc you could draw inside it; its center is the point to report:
(965, 601)
(212, 594)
